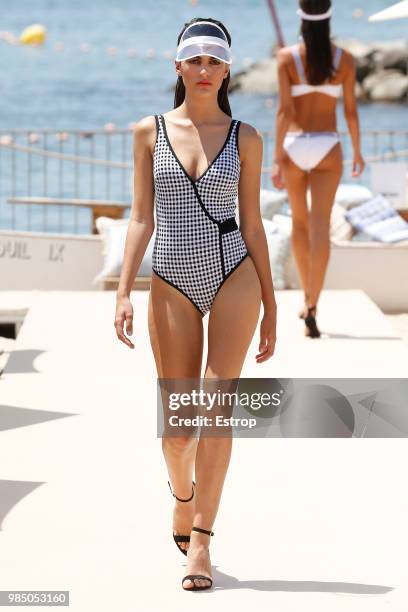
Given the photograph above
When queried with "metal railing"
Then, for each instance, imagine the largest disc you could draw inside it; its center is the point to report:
(97, 165)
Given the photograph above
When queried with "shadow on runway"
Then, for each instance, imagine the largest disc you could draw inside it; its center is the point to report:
(12, 417)
(224, 581)
(21, 362)
(12, 492)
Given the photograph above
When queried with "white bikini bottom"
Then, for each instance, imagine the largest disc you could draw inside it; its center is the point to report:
(307, 149)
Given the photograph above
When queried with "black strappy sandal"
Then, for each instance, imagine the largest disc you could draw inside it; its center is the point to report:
(310, 321)
(199, 576)
(302, 312)
(182, 538)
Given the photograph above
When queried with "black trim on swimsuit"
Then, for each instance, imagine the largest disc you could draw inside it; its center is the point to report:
(179, 289)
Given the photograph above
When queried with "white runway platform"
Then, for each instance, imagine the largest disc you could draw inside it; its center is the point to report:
(304, 524)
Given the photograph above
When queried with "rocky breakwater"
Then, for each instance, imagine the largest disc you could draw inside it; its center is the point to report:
(382, 72)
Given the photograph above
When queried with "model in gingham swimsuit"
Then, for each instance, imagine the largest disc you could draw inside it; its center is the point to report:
(192, 166)
(198, 243)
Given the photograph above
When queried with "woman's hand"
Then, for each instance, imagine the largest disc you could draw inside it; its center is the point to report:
(358, 165)
(124, 312)
(277, 177)
(268, 337)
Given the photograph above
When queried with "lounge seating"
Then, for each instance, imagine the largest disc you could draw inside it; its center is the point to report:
(41, 260)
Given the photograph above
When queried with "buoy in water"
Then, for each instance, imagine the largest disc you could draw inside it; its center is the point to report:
(34, 34)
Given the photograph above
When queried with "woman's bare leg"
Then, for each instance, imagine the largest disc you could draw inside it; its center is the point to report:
(176, 335)
(232, 321)
(324, 180)
(296, 181)
(311, 233)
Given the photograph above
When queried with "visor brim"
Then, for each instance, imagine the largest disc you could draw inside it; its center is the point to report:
(216, 51)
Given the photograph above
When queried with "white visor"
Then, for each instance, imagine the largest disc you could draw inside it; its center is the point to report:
(318, 17)
(204, 38)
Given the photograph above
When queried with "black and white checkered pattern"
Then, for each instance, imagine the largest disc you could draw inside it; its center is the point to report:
(192, 252)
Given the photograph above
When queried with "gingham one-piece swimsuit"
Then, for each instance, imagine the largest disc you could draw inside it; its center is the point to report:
(198, 243)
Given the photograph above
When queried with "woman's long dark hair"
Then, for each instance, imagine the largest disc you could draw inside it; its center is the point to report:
(180, 92)
(316, 34)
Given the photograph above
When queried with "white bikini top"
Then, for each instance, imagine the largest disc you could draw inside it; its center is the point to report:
(304, 87)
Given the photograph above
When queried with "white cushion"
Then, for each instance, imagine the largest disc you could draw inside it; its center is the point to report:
(283, 223)
(270, 202)
(374, 210)
(113, 232)
(340, 228)
(279, 252)
(349, 195)
(270, 227)
(102, 223)
(393, 229)
(378, 218)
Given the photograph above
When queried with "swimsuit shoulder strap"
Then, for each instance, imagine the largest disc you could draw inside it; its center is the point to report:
(156, 118)
(161, 128)
(160, 133)
(236, 127)
(233, 134)
(159, 124)
(337, 57)
(298, 62)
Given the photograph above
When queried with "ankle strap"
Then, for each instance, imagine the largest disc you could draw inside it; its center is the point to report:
(210, 533)
(179, 499)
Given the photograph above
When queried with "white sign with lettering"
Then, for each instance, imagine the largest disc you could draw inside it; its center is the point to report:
(41, 260)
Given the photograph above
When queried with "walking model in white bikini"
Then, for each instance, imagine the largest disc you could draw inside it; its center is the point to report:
(308, 153)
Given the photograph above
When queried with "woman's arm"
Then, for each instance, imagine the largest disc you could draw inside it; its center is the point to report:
(286, 110)
(351, 112)
(141, 223)
(252, 230)
(284, 116)
(141, 219)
